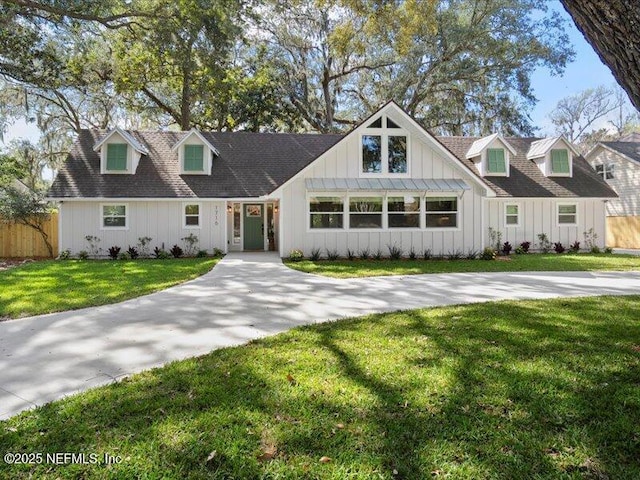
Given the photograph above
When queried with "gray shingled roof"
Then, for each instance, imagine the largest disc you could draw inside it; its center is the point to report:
(380, 184)
(249, 165)
(629, 149)
(525, 178)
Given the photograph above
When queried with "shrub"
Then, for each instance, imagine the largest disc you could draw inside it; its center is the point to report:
(351, 254)
(315, 254)
(495, 236)
(201, 254)
(144, 246)
(488, 254)
(217, 253)
(377, 255)
(161, 254)
(332, 254)
(574, 247)
(114, 252)
(124, 256)
(83, 255)
(64, 254)
(506, 248)
(364, 253)
(412, 254)
(472, 254)
(558, 247)
(190, 244)
(520, 250)
(94, 248)
(544, 244)
(427, 254)
(157, 252)
(608, 250)
(596, 249)
(395, 252)
(525, 246)
(590, 240)
(454, 255)
(296, 255)
(176, 251)
(133, 252)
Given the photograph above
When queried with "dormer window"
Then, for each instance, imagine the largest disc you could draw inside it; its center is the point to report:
(195, 154)
(384, 150)
(554, 156)
(117, 154)
(496, 161)
(193, 158)
(491, 155)
(120, 152)
(559, 161)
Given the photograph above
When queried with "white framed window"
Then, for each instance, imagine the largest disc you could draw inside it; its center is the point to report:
(567, 214)
(326, 212)
(365, 212)
(496, 161)
(560, 162)
(441, 212)
(606, 170)
(384, 149)
(114, 216)
(403, 211)
(191, 215)
(512, 215)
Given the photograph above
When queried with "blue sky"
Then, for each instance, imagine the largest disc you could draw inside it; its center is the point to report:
(586, 71)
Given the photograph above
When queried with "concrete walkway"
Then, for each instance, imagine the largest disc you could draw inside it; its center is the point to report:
(246, 296)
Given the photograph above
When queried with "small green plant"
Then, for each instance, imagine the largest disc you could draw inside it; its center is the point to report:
(201, 254)
(454, 254)
(495, 237)
(506, 248)
(364, 254)
(412, 254)
(351, 254)
(64, 254)
(133, 253)
(524, 247)
(591, 240)
(332, 254)
(608, 250)
(558, 247)
(124, 256)
(176, 251)
(190, 244)
(488, 254)
(472, 254)
(114, 252)
(315, 254)
(520, 250)
(162, 255)
(94, 245)
(544, 244)
(83, 255)
(217, 253)
(377, 255)
(574, 247)
(296, 255)
(144, 246)
(395, 252)
(427, 254)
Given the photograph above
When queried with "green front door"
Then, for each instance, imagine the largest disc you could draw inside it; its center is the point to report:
(254, 227)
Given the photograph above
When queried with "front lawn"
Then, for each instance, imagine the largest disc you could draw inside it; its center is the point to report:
(535, 389)
(56, 285)
(514, 263)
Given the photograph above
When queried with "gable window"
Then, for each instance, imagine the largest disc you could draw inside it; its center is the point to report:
(496, 160)
(403, 212)
(192, 215)
(512, 215)
(193, 158)
(441, 212)
(384, 148)
(397, 154)
(567, 214)
(114, 216)
(116, 157)
(559, 161)
(326, 212)
(371, 154)
(606, 170)
(365, 212)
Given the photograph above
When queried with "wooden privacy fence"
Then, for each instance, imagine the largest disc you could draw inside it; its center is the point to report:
(22, 241)
(623, 232)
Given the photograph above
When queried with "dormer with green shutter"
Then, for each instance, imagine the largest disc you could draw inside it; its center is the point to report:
(491, 155)
(554, 156)
(120, 152)
(195, 154)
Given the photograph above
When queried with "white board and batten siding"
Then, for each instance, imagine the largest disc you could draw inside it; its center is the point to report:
(540, 215)
(343, 161)
(163, 221)
(626, 182)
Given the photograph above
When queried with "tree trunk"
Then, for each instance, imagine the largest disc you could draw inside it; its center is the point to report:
(612, 29)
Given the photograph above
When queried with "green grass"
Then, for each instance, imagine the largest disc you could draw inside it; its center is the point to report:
(535, 389)
(54, 286)
(515, 263)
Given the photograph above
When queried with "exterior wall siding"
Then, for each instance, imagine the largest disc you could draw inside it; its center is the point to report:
(163, 221)
(540, 216)
(626, 183)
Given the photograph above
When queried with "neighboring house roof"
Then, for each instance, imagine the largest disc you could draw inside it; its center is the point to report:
(479, 145)
(539, 148)
(131, 140)
(631, 150)
(525, 178)
(631, 137)
(249, 165)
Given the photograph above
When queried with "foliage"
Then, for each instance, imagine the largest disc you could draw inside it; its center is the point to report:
(94, 245)
(64, 254)
(427, 254)
(315, 254)
(74, 284)
(590, 240)
(454, 254)
(608, 250)
(133, 253)
(525, 246)
(574, 247)
(364, 254)
(412, 253)
(544, 244)
(471, 254)
(377, 255)
(395, 252)
(161, 254)
(351, 254)
(124, 256)
(506, 248)
(201, 254)
(488, 254)
(144, 246)
(176, 251)
(296, 255)
(114, 252)
(332, 254)
(558, 247)
(83, 255)
(495, 239)
(217, 252)
(191, 244)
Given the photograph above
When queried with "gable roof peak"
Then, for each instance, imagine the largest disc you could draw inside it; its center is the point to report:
(130, 139)
(539, 148)
(480, 144)
(202, 138)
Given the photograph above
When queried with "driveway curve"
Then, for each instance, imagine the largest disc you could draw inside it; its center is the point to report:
(246, 296)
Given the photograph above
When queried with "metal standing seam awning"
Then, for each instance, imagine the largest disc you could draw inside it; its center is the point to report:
(444, 185)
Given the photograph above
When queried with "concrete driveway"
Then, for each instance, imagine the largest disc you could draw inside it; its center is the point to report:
(246, 296)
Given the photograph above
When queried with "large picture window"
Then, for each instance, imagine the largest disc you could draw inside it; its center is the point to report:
(441, 212)
(404, 212)
(365, 212)
(114, 216)
(326, 212)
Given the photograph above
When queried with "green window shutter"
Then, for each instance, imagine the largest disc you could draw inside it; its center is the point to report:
(496, 162)
(117, 156)
(193, 158)
(559, 161)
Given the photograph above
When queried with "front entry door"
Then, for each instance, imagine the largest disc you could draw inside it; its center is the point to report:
(253, 227)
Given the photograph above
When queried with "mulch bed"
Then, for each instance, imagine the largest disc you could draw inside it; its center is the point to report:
(7, 263)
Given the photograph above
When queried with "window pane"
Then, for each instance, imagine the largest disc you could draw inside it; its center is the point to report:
(397, 154)
(600, 169)
(192, 220)
(496, 162)
(114, 221)
(512, 219)
(610, 171)
(113, 210)
(567, 219)
(193, 158)
(438, 220)
(371, 153)
(404, 220)
(325, 204)
(236, 223)
(326, 220)
(566, 209)
(392, 124)
(559, 161)
(365, 220)
(117, 156)
(442, 204)
(192, 209)
(512, 209)
(365, 204)
(404, 204)
(377, 123)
